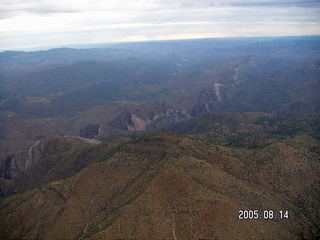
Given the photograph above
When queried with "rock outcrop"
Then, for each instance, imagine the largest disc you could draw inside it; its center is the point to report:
(22, 162)
(9, 169)
(90, 131)
(149, 117)
(212, 98)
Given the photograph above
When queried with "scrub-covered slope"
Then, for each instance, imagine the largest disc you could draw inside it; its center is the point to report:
(166, 186)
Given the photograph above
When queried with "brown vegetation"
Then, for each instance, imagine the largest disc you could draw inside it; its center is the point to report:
(162, 186)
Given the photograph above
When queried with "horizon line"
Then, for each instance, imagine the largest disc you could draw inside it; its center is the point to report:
(94, 45)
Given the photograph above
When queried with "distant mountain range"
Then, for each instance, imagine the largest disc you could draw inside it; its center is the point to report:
(164, 139)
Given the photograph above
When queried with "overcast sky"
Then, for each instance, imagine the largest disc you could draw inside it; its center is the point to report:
(34, 23)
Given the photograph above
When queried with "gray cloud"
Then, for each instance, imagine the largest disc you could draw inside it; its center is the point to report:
(277, 3)
(15, 7)
(47, 22)
(239, 3)
(10, 8)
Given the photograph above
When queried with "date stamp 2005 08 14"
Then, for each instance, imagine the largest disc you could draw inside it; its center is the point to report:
(266, 214)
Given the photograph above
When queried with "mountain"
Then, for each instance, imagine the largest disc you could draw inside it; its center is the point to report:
(166, 186)
(250, 87)
(164, 139)
(61, 91)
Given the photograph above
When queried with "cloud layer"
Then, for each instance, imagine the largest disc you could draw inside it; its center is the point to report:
(57, 22)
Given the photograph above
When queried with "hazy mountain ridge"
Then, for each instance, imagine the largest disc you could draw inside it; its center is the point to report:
(22, 61)
(75, 88)
(249, 130)
(249, 88)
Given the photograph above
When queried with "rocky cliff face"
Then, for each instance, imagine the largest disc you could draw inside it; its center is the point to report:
(212, 98)
(22, 162)
(53, 145)
(148, 117)
(9, 169)
(131, 122)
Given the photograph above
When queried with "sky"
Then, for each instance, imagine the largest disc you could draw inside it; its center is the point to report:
(36, 23)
